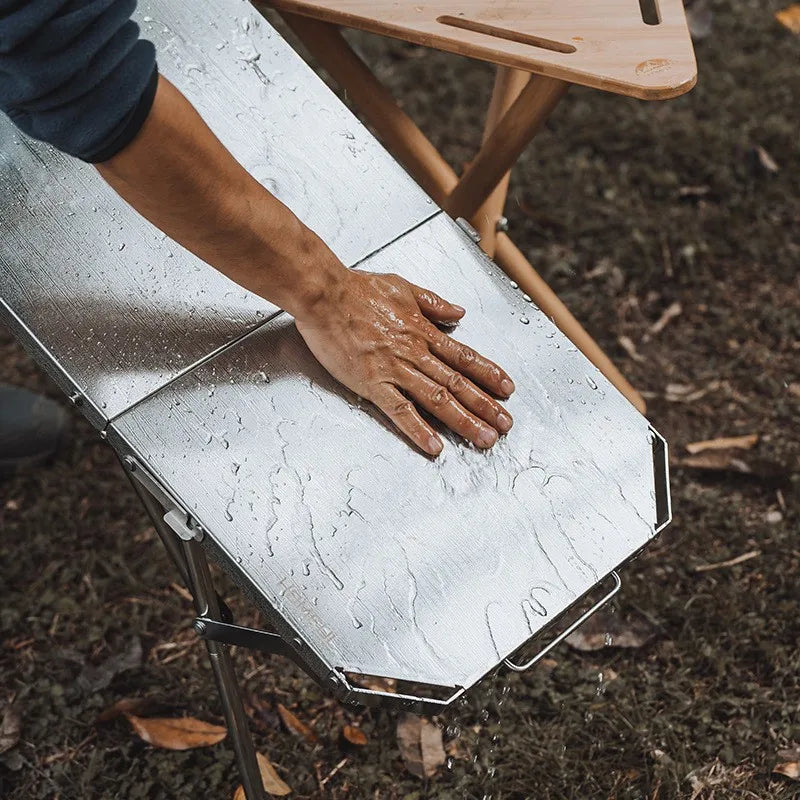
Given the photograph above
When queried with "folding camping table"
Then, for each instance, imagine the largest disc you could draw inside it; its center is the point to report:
(642, 49)
(367, 558)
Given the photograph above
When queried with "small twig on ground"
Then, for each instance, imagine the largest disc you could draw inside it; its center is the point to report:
(730, 563)
(673, 310)
(630, 348)
(70, 752)
(333, 771)
(257, 670)
(723, 443)
(184, 593)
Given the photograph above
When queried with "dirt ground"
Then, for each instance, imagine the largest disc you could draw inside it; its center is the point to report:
(627, 208)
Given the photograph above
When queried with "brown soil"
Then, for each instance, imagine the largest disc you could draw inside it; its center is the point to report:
(627, 207)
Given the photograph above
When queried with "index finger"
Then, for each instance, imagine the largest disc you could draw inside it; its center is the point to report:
(436, 308)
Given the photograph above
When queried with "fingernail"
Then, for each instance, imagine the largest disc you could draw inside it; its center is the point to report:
(504, 422)
(434, 446)
(506, 386)
(459, 309)
(487, 437)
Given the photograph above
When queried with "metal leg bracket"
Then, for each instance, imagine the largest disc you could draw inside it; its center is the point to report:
(264, 641)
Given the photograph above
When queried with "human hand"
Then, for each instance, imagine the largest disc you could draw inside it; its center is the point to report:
(377, 335)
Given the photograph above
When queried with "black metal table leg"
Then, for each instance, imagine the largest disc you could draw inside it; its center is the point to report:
(191, 563)
(206, 604)
(168, 538)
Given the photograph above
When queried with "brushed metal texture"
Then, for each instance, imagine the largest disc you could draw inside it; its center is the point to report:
(383, 561)
(100, 295)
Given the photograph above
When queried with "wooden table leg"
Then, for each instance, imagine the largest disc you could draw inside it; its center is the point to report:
(397, 131)
(508, 84)
(504, 146)
(413, 149)
(519, 269)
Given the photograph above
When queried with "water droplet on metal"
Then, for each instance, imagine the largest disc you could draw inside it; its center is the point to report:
(524, 320)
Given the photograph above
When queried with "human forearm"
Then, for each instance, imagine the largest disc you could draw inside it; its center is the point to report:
(376, 334)
(179, 176)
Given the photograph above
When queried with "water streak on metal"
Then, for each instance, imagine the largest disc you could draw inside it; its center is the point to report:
(449, 565)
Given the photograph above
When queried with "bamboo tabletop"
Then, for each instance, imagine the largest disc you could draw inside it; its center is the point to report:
(639, 49)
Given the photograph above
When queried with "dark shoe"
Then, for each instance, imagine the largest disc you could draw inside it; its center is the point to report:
(31, 429)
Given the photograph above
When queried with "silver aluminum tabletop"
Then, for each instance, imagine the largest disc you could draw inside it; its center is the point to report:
(368, 557)
(379, 560)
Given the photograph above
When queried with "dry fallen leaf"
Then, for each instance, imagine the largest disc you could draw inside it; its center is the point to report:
(604, 629)
(718, 461)
(766, 160)
(272, 781)
(790, 17)
(294, 725)
(420, 744)
(125, 706)
(375, 683)
(789, 769)
(10, 727)
(790, 753)
(723, 443)
(354, 735)
(182, 733)
(732, 460)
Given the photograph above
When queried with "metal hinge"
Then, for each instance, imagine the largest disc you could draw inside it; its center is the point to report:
(180, 521)
(184, 526)
(469, 230)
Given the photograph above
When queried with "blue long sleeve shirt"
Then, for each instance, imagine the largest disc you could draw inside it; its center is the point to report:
(75, 74)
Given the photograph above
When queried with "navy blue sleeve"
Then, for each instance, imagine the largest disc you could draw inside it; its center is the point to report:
(75, 73)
